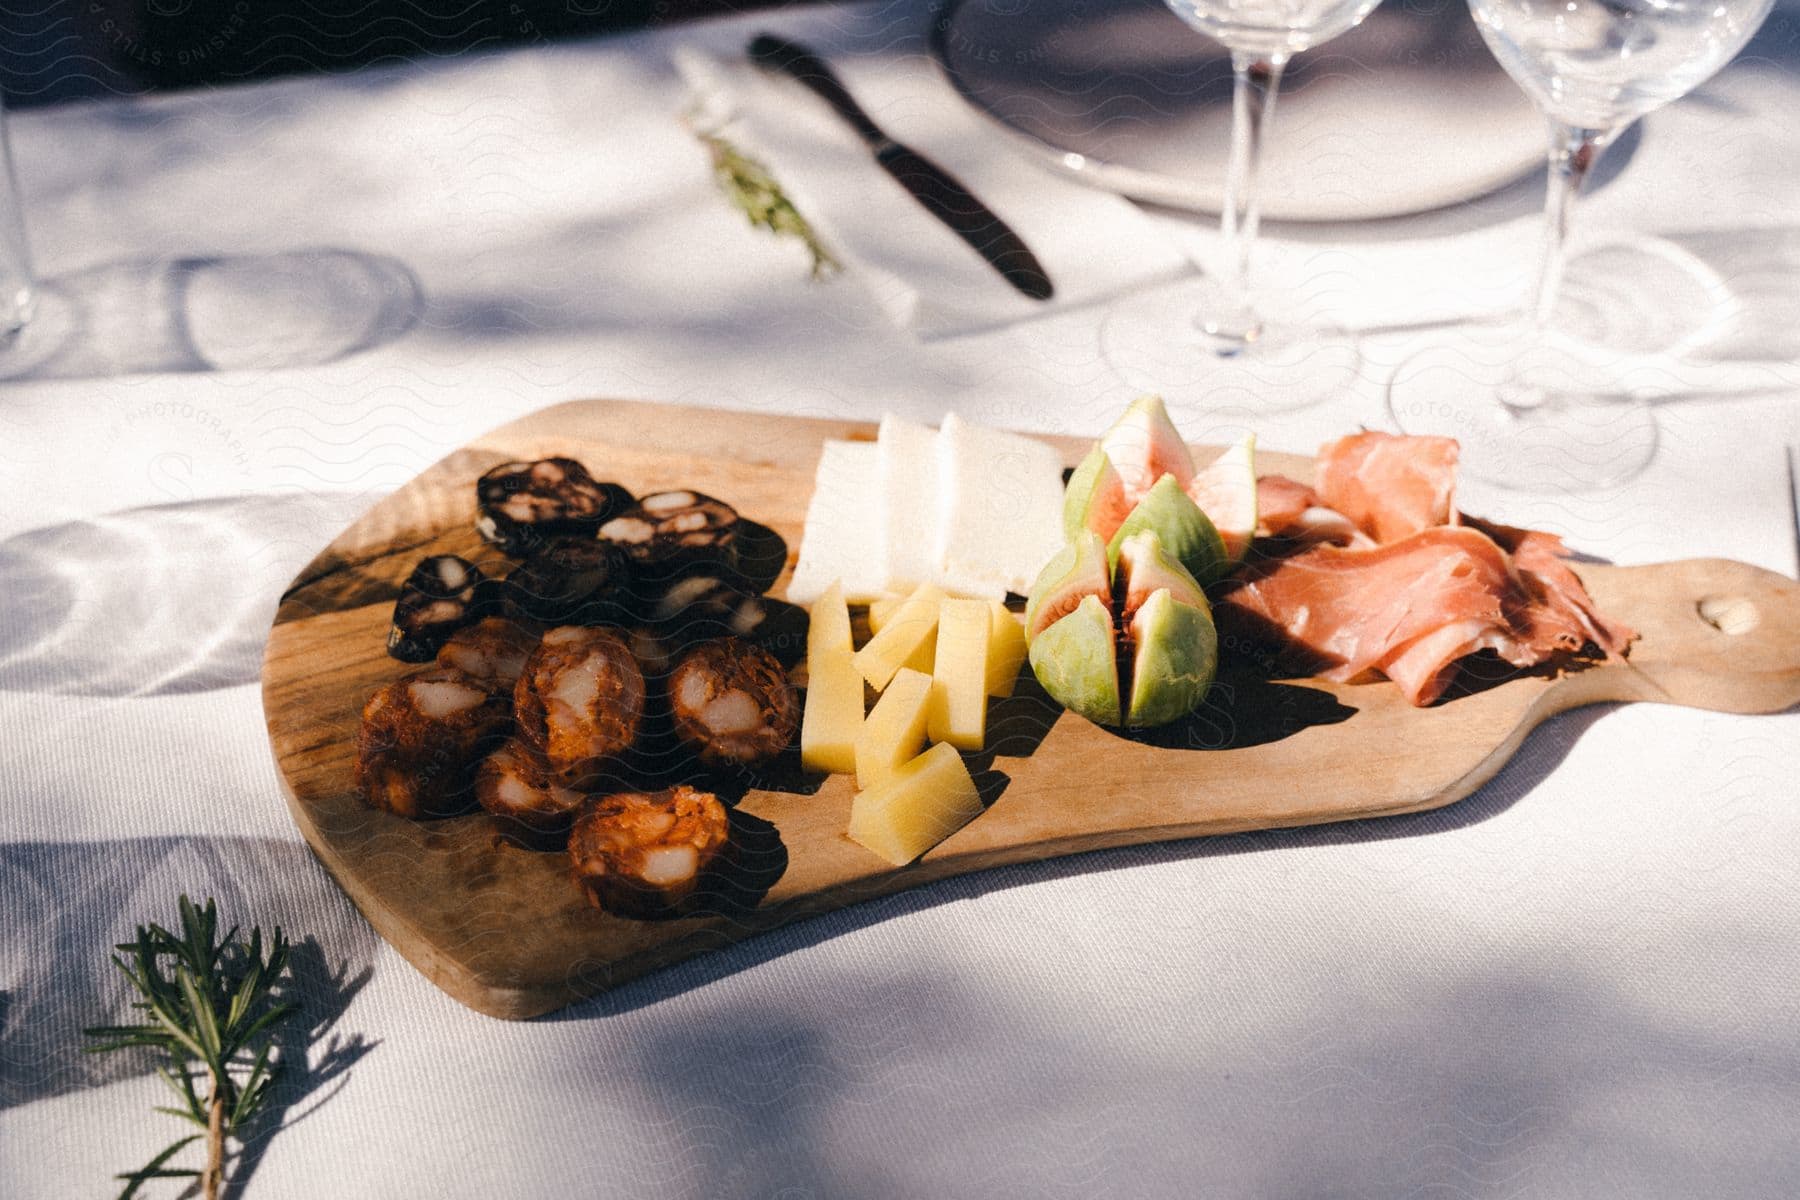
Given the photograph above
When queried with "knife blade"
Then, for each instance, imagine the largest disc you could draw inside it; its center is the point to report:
(940, 193)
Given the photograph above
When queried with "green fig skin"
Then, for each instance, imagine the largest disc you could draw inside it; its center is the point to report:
(1184, 531)
(1176, 656)
(1094, 498)
(1076, 662)
(1079, 569)
(1145, 568)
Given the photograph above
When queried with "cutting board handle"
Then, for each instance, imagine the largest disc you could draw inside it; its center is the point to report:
(1716, 634)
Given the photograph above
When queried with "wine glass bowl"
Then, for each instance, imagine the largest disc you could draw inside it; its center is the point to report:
(1272, 29)
(1528, 420)
(1218, 330)
(1601, 64)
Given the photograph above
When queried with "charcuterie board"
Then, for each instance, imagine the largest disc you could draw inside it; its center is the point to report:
(503, 930)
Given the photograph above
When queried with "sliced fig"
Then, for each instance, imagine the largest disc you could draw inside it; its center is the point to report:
(1144, 445)
(1078, 570)
(1076, 660)
(1095, 497)
(1225, 490)
(1185, 532)
(1146, 568)
(1174, 654)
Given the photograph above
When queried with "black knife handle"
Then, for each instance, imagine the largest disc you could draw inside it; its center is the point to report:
(808, 68)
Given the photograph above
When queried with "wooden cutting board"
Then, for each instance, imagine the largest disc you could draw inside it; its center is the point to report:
(504, 930)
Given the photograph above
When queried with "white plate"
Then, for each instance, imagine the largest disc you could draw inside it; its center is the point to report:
(1404, 113)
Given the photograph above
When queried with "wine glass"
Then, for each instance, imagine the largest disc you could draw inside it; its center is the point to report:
(18, 288)
(1217, 332)
(1535, 407)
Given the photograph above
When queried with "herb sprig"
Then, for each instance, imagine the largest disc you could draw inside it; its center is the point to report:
(754, 191)
(211, 1004)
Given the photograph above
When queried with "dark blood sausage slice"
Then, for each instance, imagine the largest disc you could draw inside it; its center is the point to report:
(523, 504)
(705, 605)
(732, 704)
(516, 786)
(670, 531)
(438, 598)
(572, 581)
(580, 702)
(643, 854)
(492, 650)
(420, 739)
(761, 555)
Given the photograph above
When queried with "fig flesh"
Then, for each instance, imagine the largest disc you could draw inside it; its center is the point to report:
(1144, 445)
(1078, 570)
(1185, 531)
(1225, 490)
(1140, 652)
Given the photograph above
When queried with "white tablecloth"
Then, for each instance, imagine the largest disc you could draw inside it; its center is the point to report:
(1577, 982)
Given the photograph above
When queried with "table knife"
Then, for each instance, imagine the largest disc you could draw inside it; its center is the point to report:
(941, 193)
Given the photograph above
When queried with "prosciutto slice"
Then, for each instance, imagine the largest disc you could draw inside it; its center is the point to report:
(1288, 509)
(1390, 486)
(1411, 588)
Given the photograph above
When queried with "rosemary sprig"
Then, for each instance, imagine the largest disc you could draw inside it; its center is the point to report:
(210, 1003)
(753, 190)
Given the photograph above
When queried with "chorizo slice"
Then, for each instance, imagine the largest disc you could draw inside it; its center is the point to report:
(493, 650)
(420, 739)
(440, 596)
(580, 701)
(521, 505)
(516, 786)
(731, 704)
(645, 854)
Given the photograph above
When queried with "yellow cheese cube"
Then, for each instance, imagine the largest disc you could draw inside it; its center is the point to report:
(904, 640)
(919, 805)
(881, 610)
(959, 675)
(833, 716)
(1005, 652)
(895, 729)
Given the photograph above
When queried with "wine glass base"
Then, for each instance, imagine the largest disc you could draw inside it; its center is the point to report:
(1156, 343)
(1521, 424)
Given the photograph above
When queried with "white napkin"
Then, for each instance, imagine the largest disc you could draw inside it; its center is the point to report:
(1093, 245)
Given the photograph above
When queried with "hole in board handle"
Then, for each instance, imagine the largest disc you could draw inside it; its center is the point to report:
(1729, 614)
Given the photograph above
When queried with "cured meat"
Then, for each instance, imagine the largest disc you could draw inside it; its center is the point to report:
(580, 702)
(1279, 503)
(1541, 560)
(523, 504)
(572, 581)
(669, 530)
(644, 854)
(732, 704)
(1288, 509)
(442, 594)
(1414, 609)
(493, 651)
(1390, 486)
(516, 786)
(420, 739)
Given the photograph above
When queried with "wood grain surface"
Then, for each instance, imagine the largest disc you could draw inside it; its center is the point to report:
(505, 931)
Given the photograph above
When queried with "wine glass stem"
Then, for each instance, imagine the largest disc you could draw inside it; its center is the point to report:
(1255, 82)
(1573, 153)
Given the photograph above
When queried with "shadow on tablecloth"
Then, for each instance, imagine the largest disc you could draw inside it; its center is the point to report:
(158, 600)
(68, 904)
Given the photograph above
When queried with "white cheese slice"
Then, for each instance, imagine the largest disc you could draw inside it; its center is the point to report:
(999, 508)
(909, 503)
(839, 544)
